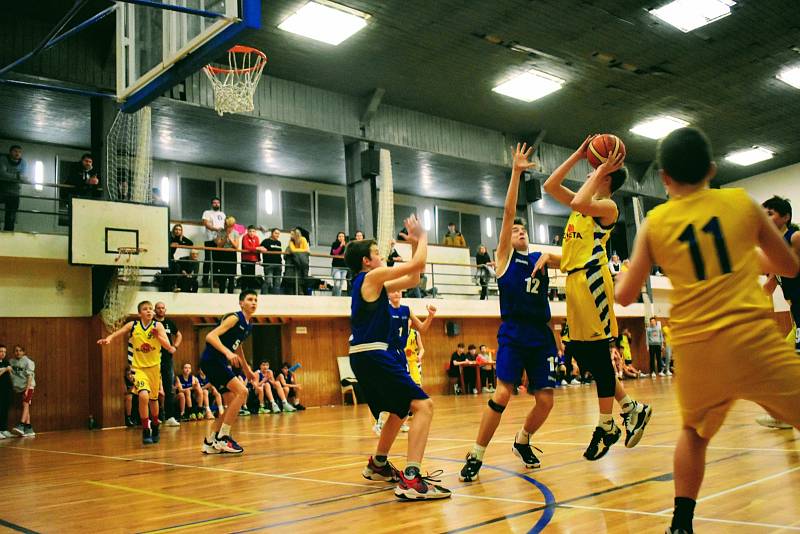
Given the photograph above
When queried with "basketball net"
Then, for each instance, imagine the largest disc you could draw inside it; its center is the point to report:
(385, 205)
(122, 289)
(130, 164)
(235, 86)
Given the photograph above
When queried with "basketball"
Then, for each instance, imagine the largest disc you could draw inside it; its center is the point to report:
(603, 146)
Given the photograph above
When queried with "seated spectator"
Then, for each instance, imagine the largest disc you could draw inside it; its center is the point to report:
(176, 239)
(469, 374)
(297, 262)
(359, 236)
(129, 395)
(250, 257)
(454, 371)
(420, 291)
(187, 273)
(272, 262)
(485, 270)
(487, 371)
(23, 381)
(614, 265)
(263, 384)
(453, 237)
(290, 387)
(209, 393)
(393, 255)
(187, 386)
(5, 392)
(339, 268)
(13, 171)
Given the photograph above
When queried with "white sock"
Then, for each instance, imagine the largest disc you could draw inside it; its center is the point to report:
(210, 435)
(627, 404)
(606, 421)
(477, 452)
(225, 430)
(523, 437)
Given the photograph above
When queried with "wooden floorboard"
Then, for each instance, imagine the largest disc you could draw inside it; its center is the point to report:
(301, 472)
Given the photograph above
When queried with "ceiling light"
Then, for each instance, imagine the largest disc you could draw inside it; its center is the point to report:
(530, 86)
(658, 127)
(327, 22)
(750, 156)
(790, 75)
(687, 15)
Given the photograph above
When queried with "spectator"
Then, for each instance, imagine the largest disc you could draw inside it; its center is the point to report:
(176, 239)
(13, 170)
(84, 180)
(157, 199)
(359, 236)
(250, 257)
(210, 391)
(453, 371)
(5, 392)
(453, 237)
(614, 265)
(290, 388)
(187, 272)
(263, 385)
(129, 394)
(23, 380)
(214, 222)
(225, 264)
(167, 365)
(393, 255)
(487, 371)
(667, 331)
(469, 374)
(655, 340)
(338, 265)
(421, 290)
(626, 264)
(187, 384)
(557, 240)
(297, 261)
(271, 260)
(402, 234)
(485, 270)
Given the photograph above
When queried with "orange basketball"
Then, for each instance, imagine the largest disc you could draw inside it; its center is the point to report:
(603, 146)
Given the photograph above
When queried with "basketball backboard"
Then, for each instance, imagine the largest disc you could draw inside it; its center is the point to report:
(99, 228)
(160, 43)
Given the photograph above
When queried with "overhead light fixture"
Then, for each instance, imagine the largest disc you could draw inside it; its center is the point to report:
(790, 75)
(164, 191)
(38, 175)
(488, 227)
(325, 21)
(530, 86)
(750, 156)
(688, 15)
(658, 127)
(426, 219)
(268, 203)
(542, 234)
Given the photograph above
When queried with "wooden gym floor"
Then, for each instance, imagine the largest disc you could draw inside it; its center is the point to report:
(302, 471)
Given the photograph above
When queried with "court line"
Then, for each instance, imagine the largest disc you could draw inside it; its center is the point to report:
(194, 524)
(162, 495)
(18, 528)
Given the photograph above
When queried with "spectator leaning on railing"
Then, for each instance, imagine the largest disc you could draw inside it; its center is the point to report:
(338, 265)
(226, 260)
(272, 263)
(297, 261)
(453, 237)
(214, 221)
(250, 256)
(13, 171)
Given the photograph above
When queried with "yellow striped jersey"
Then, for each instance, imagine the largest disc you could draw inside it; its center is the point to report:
(705, 242)
(584, 243)
(144, 349)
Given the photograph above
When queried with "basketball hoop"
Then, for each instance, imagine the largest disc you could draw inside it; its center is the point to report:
(129, 252)
(234, 87)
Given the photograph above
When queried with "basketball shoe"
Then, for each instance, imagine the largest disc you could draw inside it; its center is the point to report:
(387, 473)
(635, 422)
(419, 488)
(469, 473)
(524, 452)
(602, 440)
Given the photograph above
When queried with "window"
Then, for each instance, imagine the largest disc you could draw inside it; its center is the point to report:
(296, 209)
(331, 218)
(196, 197)
(241, 201)
(401, 213)
(471, 228)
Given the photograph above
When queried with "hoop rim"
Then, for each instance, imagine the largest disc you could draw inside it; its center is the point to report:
(130, 250)
(240, 49)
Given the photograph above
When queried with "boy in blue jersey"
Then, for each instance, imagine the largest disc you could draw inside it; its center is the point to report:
(525, 341)
(224, 352)
(385, 381)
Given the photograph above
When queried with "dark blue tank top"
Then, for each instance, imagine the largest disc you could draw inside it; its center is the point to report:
(398, 329)
(524, 306)
(369, 321)
(185, 383)
(790, 286)
(203, 380)
(233, 337)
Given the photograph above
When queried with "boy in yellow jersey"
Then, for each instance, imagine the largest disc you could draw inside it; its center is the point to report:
(144, 337)
(708, 241)
(414, 352)
(590, 294)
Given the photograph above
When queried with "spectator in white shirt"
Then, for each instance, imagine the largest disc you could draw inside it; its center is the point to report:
(214, 221)
(615, 265)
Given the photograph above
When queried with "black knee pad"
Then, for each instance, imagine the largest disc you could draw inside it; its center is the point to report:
(496, 407)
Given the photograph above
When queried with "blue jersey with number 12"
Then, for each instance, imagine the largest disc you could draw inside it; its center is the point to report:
(524, 306)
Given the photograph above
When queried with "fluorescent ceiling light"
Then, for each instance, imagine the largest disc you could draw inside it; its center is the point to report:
(530, 86)
(326, 22)
(790, 75)
(658, 127)
(749, 156)
(164, 189)
(38, 175)
(687, 15)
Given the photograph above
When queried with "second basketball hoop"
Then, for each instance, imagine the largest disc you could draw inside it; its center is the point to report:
(234, 86)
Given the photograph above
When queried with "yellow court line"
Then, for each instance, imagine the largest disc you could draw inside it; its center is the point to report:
(198, 502)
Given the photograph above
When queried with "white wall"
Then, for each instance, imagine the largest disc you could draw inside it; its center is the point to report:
(784, 182)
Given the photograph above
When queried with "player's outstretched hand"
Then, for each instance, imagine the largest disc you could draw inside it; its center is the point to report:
(103, 341)
(581, 152)
(413, 226)
(520, 157)
(540, 264)
(611, 165)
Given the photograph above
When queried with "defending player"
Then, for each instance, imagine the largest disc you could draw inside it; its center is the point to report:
(705, 240)
(223, 352)
(525, 341)
(145, 359)
(384, 379)
(590, 294)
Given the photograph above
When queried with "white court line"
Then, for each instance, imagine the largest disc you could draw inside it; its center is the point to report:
(742, 486)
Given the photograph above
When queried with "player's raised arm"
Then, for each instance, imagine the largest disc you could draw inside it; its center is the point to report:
(212, 338)
(400, 276)
(422, 326)
(161, 335)
(778, 258)
(629, 284)
(126, 329)
(584, 200)
(520, 163)
(554, 185)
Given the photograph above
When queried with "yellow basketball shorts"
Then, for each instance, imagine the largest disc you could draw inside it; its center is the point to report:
(147, 379)
(590, 304)
(751, 361)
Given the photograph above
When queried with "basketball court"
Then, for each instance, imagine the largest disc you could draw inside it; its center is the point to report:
(302, 471)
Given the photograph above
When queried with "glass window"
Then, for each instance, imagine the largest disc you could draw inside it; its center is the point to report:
(471, 228)
(402, 212)
(241, 201)
(331, 218)
(196, 197)
(296, 210)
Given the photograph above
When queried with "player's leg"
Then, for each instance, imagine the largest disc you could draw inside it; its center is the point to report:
(128, 408)
(283, 395)
(635, 415)
(688, 469)
(220, 428)
(412, 485)
(144, 414)
(182, 405)
(218, 400)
